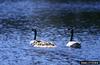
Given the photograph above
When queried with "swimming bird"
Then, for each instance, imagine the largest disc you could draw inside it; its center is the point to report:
(72, 43)
(40, 43)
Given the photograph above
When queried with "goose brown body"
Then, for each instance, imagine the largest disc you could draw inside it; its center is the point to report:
(38, 43)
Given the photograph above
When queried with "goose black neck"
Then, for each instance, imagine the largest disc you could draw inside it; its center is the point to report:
(35, 33)
(71, 38)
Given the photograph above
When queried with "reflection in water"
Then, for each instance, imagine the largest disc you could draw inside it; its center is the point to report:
(17, 20)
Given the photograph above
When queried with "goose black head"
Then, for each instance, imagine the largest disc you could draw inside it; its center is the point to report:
(35, 33)
(33, 29)
(71, 34)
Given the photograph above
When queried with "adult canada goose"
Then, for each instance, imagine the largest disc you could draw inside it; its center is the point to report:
(39, 43)
(72, 43)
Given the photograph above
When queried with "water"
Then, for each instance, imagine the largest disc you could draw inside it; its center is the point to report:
(52, 21)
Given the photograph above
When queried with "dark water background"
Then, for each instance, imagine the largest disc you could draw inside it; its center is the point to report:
(51, 19)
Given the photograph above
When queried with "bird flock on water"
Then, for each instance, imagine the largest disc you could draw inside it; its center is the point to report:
(40, 43)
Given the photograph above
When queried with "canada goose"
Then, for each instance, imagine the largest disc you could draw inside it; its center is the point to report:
(39, 43)
(72, 43)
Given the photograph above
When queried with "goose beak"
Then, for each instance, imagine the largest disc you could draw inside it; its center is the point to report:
(33, 29)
